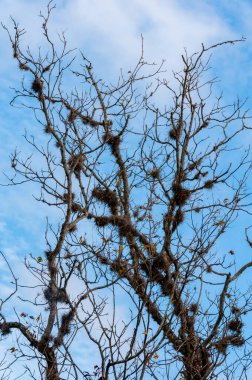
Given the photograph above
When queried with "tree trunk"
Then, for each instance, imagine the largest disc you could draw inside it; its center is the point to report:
(197, 364)
(52, 368)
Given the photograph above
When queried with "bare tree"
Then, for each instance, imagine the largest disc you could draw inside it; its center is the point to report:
(156, 185)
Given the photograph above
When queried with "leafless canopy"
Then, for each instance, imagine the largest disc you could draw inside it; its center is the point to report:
(157, 186)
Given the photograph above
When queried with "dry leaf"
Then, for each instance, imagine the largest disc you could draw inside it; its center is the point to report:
(122, 271)
(220, 223)
(67, 255)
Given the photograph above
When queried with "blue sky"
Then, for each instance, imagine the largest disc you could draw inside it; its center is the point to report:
(109, 33)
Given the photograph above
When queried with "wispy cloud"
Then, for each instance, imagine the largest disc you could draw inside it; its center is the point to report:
(110, 34)
(111, 31)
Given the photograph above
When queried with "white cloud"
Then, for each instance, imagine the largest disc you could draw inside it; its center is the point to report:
(110, 31)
